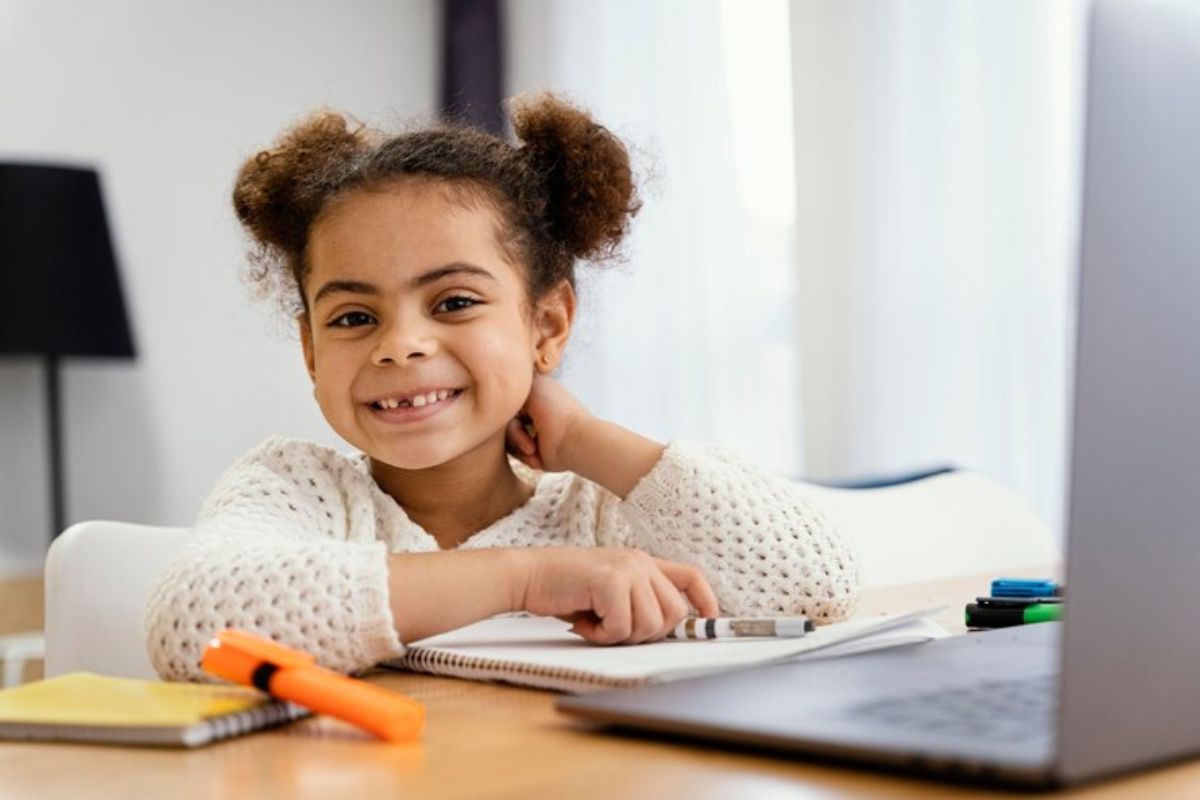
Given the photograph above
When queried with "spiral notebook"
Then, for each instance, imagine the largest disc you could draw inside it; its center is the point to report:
(84, 707)
(542, 653)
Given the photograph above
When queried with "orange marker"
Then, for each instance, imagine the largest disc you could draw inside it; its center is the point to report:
(291, 675)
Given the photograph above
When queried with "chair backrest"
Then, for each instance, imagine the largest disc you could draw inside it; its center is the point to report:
(949, 525)
(98, 579)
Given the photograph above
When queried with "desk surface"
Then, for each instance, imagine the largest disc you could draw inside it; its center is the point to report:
(485, 740)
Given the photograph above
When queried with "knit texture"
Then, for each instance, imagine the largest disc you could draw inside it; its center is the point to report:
(292, 544)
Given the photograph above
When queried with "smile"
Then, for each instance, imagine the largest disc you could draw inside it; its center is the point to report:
(416, 407)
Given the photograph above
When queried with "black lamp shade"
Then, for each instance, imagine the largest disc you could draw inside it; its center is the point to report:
(60, 294)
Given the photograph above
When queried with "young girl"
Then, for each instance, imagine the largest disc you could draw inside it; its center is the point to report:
(433, 275)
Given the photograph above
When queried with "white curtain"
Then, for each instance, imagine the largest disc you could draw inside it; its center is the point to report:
(857, 253)
(694, 337)
(938, 151)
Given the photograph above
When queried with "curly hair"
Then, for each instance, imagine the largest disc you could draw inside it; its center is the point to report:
(564, 192)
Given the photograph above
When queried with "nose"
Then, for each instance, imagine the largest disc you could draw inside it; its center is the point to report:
(400, 340)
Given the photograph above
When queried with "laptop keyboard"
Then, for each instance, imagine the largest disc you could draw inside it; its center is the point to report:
(1001, 709)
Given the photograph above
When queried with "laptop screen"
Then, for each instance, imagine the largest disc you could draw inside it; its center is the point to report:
(1133, 542)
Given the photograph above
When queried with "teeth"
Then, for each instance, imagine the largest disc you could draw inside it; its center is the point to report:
(417, 401)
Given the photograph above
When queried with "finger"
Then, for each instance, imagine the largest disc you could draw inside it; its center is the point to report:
(674, 607)
(647, 616)
(510, 435)
(615, 613)
(583, 623)
(520, 438)
(691, 581)
(586, 627)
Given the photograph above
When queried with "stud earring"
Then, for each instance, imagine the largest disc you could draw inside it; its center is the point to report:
(545, 358)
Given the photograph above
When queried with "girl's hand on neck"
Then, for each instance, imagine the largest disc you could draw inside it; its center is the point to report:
(564, 436)
(544, 434)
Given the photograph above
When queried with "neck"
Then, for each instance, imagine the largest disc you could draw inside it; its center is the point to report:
(456, 499)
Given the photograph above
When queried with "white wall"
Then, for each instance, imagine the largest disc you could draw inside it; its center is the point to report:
(166, 99)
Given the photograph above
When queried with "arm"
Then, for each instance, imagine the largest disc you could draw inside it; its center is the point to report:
(277, 553)
(285, 548)
(612, 595)
(422, 595)
(612, 456)
(765, 545)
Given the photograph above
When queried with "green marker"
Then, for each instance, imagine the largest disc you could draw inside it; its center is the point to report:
(979, 616)
(1043, 612)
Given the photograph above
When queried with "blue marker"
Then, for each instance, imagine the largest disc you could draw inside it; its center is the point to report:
(1026, 587)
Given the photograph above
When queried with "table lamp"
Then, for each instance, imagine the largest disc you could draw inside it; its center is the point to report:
(60, 294)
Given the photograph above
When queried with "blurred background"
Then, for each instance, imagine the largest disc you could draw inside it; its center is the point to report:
(856, 255)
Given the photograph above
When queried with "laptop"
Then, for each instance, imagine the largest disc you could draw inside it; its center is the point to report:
(1116, 685)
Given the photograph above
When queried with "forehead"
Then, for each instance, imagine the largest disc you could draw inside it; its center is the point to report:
(390, 234)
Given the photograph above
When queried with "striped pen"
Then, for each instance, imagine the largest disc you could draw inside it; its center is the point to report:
(733, 628)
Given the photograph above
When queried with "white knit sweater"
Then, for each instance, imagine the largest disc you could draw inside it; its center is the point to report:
(292, 544)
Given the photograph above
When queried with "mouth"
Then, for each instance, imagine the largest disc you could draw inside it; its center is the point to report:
(418, 407)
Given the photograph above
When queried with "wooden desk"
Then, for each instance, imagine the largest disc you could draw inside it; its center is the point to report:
(484, 740)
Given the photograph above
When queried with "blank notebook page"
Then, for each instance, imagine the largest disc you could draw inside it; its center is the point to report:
(528, 646)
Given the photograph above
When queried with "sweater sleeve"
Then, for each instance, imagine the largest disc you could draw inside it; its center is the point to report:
(763, 545)
(270, 554)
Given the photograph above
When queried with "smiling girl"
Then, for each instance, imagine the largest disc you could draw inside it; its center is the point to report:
(432, 275)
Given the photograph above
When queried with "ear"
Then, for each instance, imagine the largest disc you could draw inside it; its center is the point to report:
(306, 343)
(552, 320)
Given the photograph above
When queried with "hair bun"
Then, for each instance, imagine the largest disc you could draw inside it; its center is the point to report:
(590, 193)
(275, 195)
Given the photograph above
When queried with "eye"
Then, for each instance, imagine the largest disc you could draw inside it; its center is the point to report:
(352, 319)
(458, 302)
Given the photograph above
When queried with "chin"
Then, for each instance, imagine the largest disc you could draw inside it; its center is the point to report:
(412, 458)
(417, 453)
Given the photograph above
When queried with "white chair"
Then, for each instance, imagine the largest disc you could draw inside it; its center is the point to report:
(98, 578)
(18, 649)
(950, 525)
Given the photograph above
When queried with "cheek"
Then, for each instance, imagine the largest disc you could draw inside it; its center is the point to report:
(503, 371)
(332, 379)
(327, 396)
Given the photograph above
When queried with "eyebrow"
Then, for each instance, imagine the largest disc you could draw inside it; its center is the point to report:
(433, 275)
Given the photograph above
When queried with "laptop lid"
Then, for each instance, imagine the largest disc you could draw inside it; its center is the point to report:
(1131, 684)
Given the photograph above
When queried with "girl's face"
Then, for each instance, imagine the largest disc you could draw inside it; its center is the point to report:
(411, 301)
